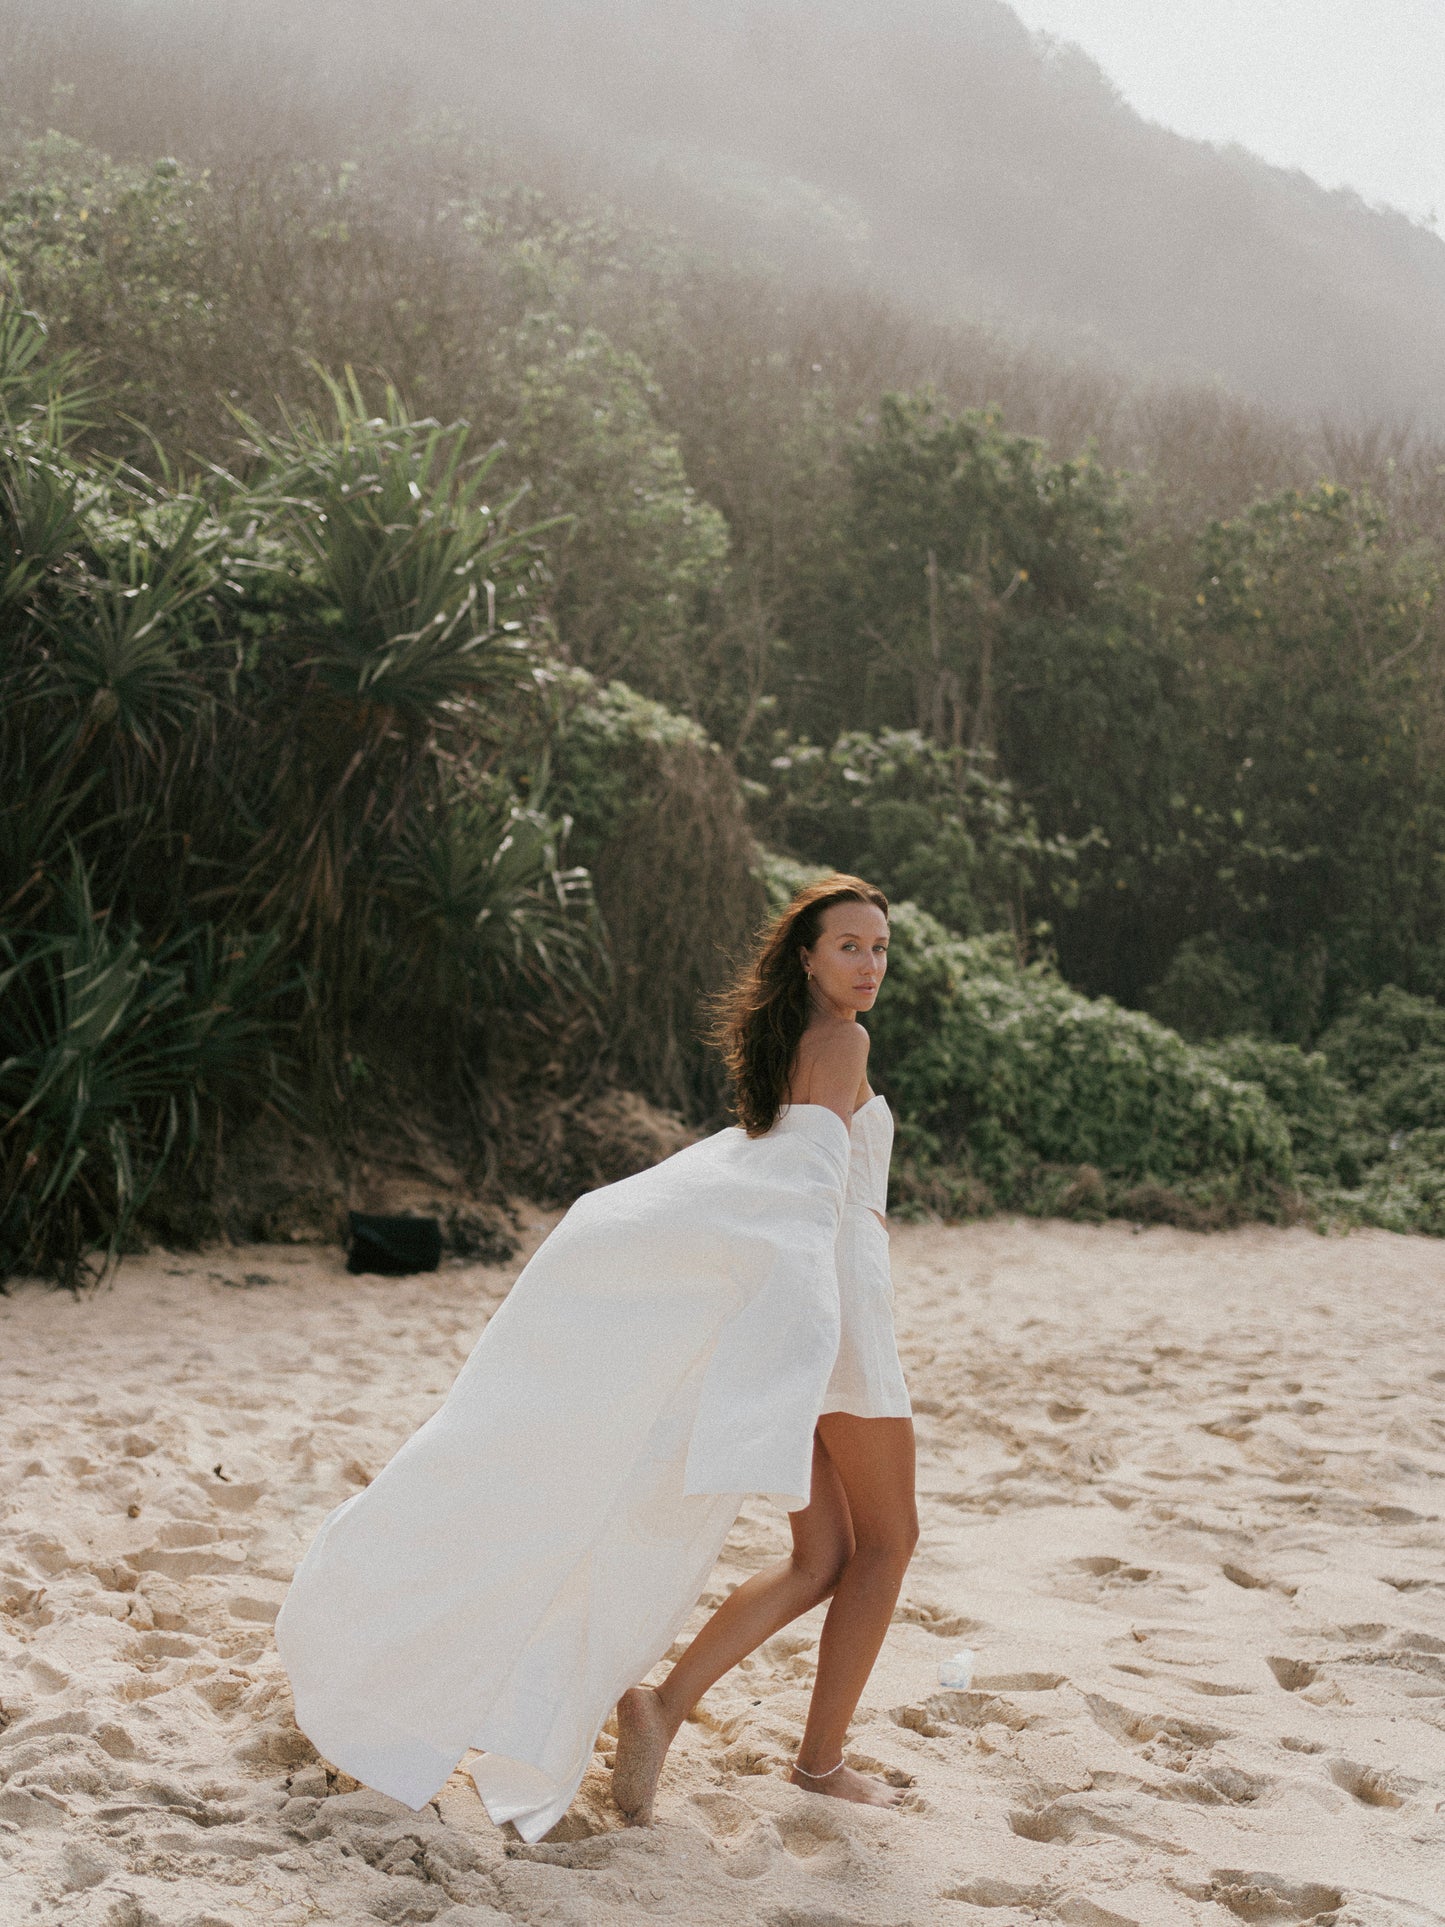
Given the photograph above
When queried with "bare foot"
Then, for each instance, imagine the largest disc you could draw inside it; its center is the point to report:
(644, 1733)
(848, 1784)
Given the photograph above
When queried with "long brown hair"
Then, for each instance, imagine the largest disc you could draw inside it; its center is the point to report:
(760, 1018)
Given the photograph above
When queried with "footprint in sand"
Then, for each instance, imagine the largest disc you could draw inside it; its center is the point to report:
(1077, 1816)
(1417, 1643)
(812, 1832)
(1101, 1579)
(1294, 1675)
(819, 1917)
(1038, 1902)
(1212, 1783)
(748, 1844)
(1019, 1682)
(936, 1619)
(1206, 1688)
(1251, 1582)
(1163, 1738)
(751, 1845)
(1269, 1897)
(1078, 1910)
(989, 1891)
(942, 1714)
(723, 1815)
(1371, 1786)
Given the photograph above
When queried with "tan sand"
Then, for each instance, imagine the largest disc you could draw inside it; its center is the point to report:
(1183, 1496)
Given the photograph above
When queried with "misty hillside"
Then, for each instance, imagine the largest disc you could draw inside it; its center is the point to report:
(934, 148)
(986, 171)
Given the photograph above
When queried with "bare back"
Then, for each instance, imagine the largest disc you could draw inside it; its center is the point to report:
(830, 1066)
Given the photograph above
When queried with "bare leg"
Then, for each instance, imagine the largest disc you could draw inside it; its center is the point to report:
(649, 1716)
(874, 1458)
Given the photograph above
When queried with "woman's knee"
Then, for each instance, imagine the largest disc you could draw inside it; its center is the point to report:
(890, 1542)
(820, 1571)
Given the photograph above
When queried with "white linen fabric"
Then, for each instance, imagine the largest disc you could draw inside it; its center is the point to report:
(870, 1150)
(867, 1377)
(535, 1548)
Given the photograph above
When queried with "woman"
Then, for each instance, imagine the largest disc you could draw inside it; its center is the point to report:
(715, 1326)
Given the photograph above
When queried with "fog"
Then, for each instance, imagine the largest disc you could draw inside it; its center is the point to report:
(932, 149)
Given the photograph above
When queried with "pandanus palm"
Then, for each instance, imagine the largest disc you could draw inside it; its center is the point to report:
(486, 917)
(418, 582)
(244, 801)
(410, 613)
(45, 499)
(44, 403)
(109, 1050)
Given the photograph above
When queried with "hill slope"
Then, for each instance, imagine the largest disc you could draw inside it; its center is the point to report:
(943, 148)
(935, 148)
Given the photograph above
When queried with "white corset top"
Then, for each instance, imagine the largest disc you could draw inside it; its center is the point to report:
(870, 1137)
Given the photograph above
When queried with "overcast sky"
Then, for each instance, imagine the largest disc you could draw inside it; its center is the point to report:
(1352, 91)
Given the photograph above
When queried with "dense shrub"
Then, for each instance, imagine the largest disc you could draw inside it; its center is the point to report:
(933, 825)
(251, 805)
(1405, 1191)
(113, 1055)
(1389, 1051)
(1327, 1132)
(1015, 1090)
(111, 254)
(1390, 1048)
(637, 553)
(1009, 1070)
(659, 820)
(1205, 994)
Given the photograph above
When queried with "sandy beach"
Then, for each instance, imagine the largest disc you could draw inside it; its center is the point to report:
(1182, 1495)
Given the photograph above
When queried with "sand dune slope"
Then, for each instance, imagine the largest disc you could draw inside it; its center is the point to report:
(1182, 1495)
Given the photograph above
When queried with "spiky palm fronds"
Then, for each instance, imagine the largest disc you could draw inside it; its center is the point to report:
(49, 393)
(41, 517)
(39, 805)
(260, 706)
(487, 917)
(409, 563)
(118, 637)
(43, 496)
(108, 1055)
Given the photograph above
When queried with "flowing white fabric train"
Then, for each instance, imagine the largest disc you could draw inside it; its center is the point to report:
(535, 1548)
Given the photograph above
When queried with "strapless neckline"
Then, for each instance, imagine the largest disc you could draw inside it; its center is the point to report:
(876, 1098)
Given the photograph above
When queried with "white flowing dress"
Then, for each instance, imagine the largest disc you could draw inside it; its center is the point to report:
(535, 1548)
(867, 1377)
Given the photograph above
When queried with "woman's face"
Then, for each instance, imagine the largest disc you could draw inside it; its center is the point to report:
(850, 956)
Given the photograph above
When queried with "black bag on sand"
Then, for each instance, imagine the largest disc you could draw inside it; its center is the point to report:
(393, 1246)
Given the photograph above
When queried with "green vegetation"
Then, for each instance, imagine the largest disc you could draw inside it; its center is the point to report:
(420, 597)
(254, 824)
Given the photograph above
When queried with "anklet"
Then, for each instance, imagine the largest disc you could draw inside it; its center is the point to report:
(818, 1776)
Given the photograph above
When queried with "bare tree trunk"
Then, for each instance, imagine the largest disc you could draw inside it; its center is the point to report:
(932, 721)
(987, 607)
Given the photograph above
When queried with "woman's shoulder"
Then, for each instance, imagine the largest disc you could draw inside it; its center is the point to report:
(840, 1037)
(830, 1066)
(836, 1040)
(835, 1045)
